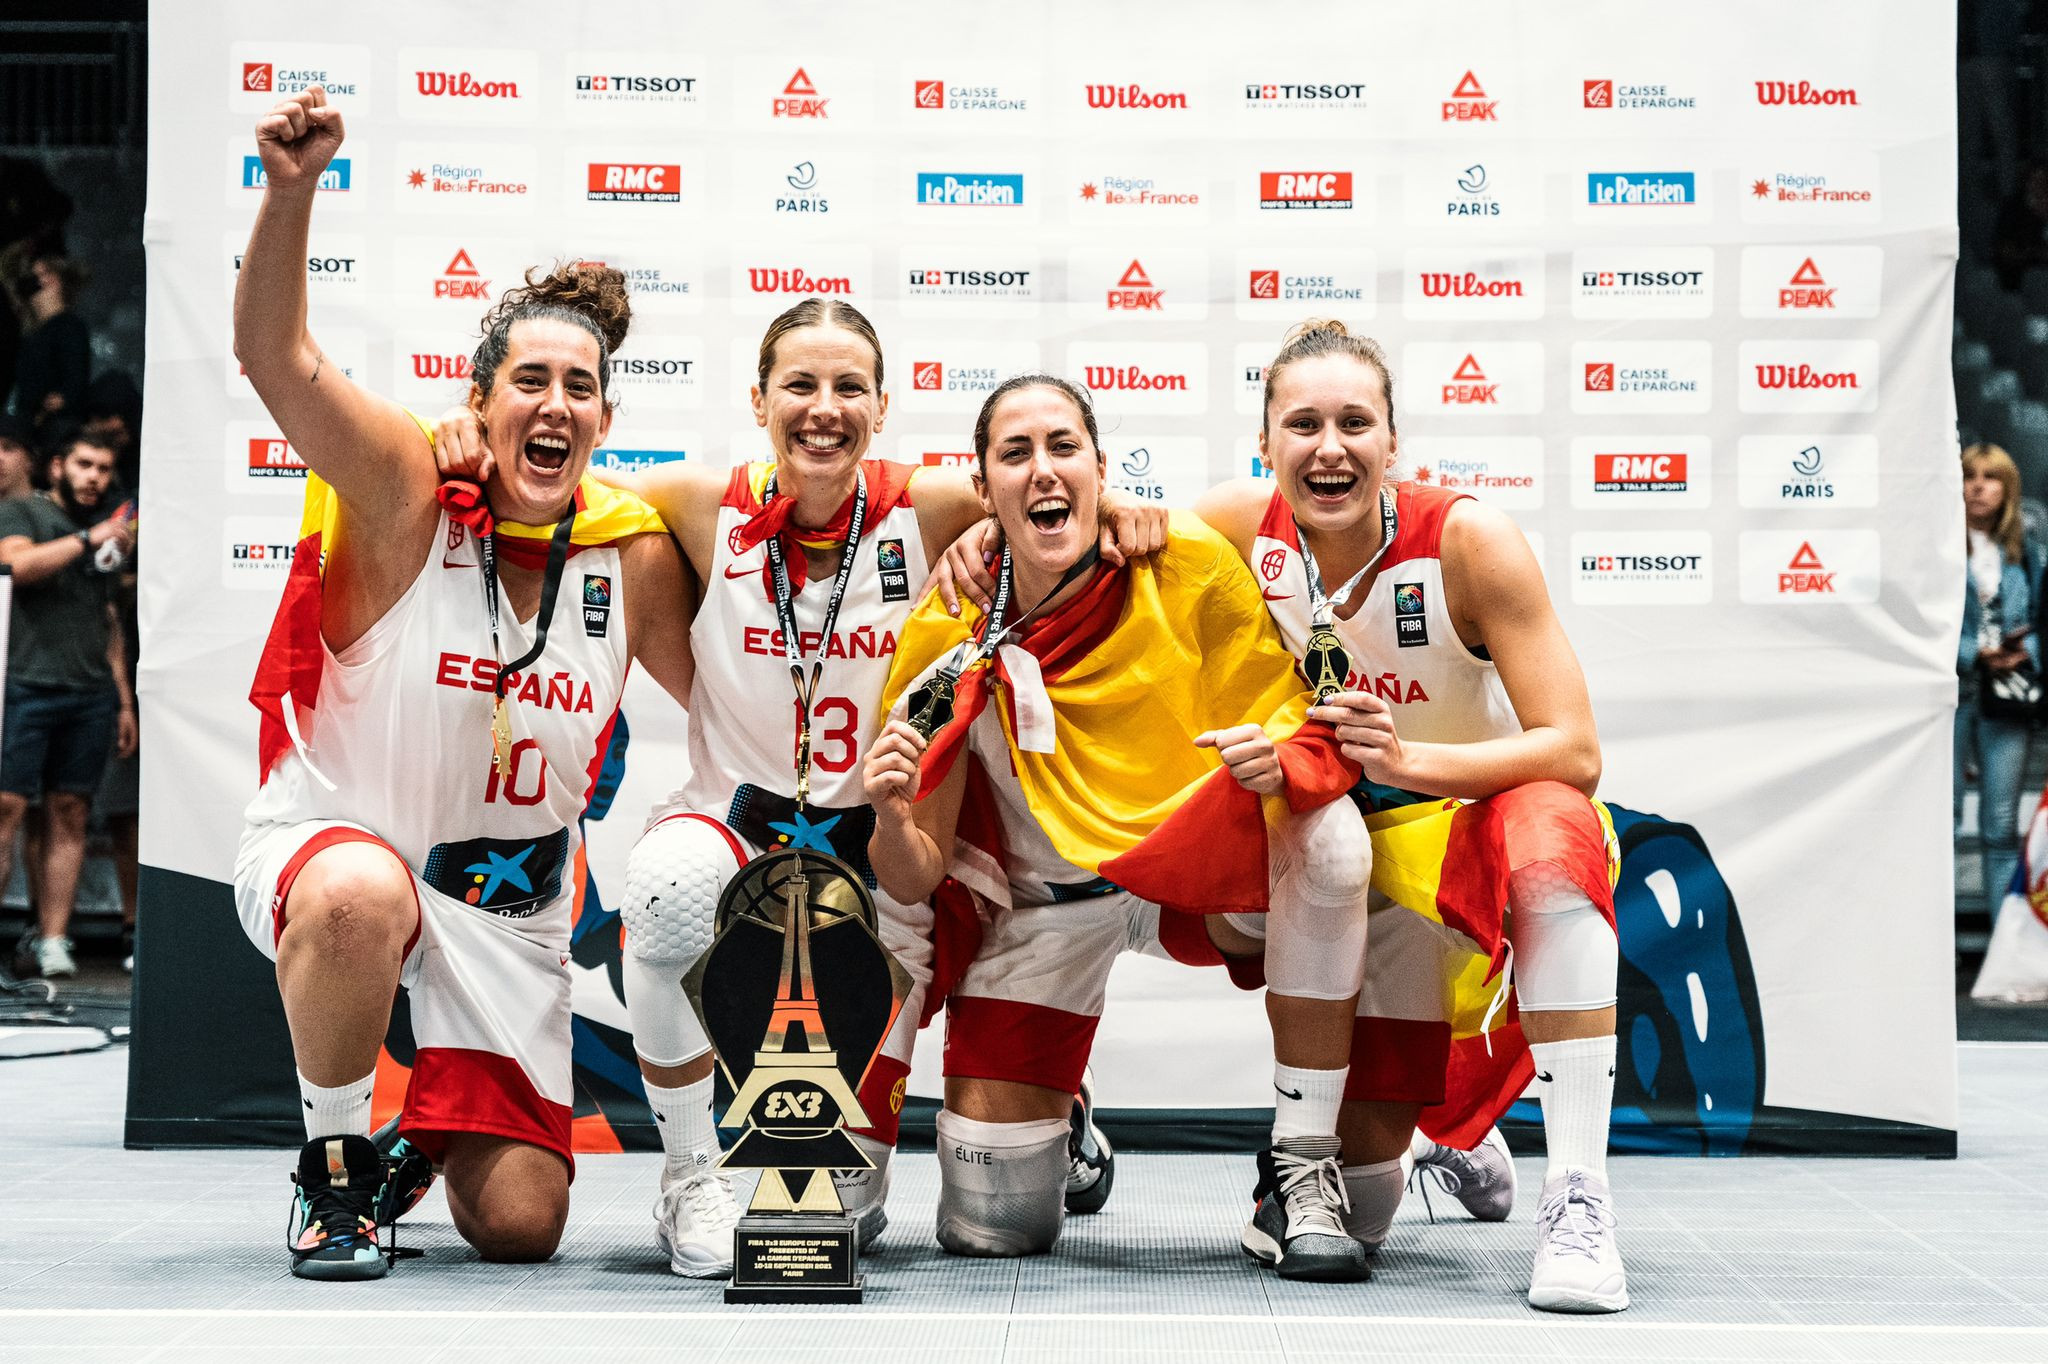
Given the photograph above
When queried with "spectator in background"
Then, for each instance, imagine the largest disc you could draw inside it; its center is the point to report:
(17, 459)
(1998, 640)
(51, 374)
(113, 412)
(2022, 240)
(68, 699)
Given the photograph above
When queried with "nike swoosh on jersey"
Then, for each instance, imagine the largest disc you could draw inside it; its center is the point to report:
(748, 572)
(1270, 595)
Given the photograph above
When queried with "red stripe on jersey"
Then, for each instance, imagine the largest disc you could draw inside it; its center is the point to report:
(1278, 522)
(321, 842)
(461, 1089)
(882, 1100)
(1419, 514)
(1030, 1044)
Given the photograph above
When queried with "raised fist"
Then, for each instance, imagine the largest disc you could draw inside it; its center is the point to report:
(297, 138)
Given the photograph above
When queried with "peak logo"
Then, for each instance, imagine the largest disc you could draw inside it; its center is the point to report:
(1468, 103)
(1469, 385)
(1639, 473)
(1802, 93)
(772, 280)
(461, 279)
(1134, 292)
(610, 182)
(1805, 572)
(967, 189)
(1810, 567)
(1829, 281)
(462, 85)
(800, 99)
(1459, 378)
(1640, 189)
(1304, 189)
(1806, 289)
(1133, 96)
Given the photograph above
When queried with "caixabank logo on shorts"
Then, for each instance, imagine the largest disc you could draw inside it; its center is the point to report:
(468, 85)
(1630, 568)
(1667, 281)
(1809, 567)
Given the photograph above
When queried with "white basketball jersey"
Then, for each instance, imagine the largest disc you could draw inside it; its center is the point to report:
(401, 734)
(1404, 647)
(1038, 875)
(743, 715)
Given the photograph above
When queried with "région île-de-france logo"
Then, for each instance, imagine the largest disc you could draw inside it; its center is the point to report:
(1469, 385)
(443, 178)
(1609, 94)
(774, 280)
(1134, 96)
(1131, 379)
(1806, 289)
(1786, 187)
(1134, 292)
(800, 99)
(928, 376)
(273, 457)
(1304, 189)
(970, 189)
(609, 182)
(1640, 189)
(463, 85)
(1805, 573)
(1120, 191)
(1802, 92)
(1639, 473)
(1468, 103)
(461, 279)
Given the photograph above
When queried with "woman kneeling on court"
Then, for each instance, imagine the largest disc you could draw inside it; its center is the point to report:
(1145, 778)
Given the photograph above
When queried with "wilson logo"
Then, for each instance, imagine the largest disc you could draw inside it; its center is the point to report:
(440, 366)
(1801, 92)
(1469, 385)
(1134, 292)
(1442, 284)
(1804, 376)
(800, 99)
(795, 282)
(1131, 379)
(462, 85)
(1469, 104)
(1132, 97)
(1807, 289)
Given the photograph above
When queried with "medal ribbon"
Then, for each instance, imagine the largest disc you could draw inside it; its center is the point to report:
(930, 707)
(1325, 661)
(550, 587)
(785, 613)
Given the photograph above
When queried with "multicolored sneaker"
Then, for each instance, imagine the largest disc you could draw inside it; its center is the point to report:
(1297, 1226)
(1091, 1160)
(408, 1174)
(333, 1232)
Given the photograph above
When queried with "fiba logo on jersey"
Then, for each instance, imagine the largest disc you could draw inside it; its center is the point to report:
(895, 574)
(597, 604)
(1411, 627)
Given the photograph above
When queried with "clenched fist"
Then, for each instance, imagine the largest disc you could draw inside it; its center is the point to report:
(297, 138)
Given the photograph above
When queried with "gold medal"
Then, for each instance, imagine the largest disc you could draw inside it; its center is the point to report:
(931, 705)
(1325, 662)
(501, 739)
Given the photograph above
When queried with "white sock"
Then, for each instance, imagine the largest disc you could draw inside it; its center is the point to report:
(689, 1144)
(343, 1111)
(1575, 1080)
(1375, 1194)
(1305, 1102)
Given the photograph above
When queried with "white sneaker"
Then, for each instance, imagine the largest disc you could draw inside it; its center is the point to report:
(863, 1192)
(1482, 1179)
(1578, 1266)
(693, 1221)
(53, 957)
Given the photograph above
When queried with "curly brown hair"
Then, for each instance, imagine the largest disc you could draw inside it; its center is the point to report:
(584, 294)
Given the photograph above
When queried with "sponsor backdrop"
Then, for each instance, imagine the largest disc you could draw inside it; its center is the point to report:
(1674, 296)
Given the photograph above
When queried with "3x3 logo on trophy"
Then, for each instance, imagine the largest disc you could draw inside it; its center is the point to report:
(796, 993)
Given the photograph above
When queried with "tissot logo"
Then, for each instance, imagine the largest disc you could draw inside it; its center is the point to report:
(971, 189)
(1639, 472)
(928, 376)
(1635, 281)
(1468, 103)
(608, 182)
(1132, 379)
(625, 89)
(1642, 567)
(1304, 189)
(1133, 96)
(1802, 92)
(1289, 95)
(800, 99)
(773, 280)
(461, 279)
(1134, 292)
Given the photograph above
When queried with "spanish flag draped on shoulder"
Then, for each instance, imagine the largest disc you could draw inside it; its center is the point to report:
(287, 685)
(1147, 657)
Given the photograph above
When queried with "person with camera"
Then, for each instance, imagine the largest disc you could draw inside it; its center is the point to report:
(1998, 659)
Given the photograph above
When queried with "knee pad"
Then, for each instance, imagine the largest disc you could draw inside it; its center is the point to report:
(1316, 930)
(1002, 1185)
(674, 877)
(1375, 1195)
(1566, 954)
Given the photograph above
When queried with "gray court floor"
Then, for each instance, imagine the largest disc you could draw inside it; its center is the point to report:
(166, 1255)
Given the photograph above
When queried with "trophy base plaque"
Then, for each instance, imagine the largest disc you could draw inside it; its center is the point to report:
(794, 1258)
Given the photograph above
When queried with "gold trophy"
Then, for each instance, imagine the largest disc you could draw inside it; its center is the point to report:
(796, 964)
